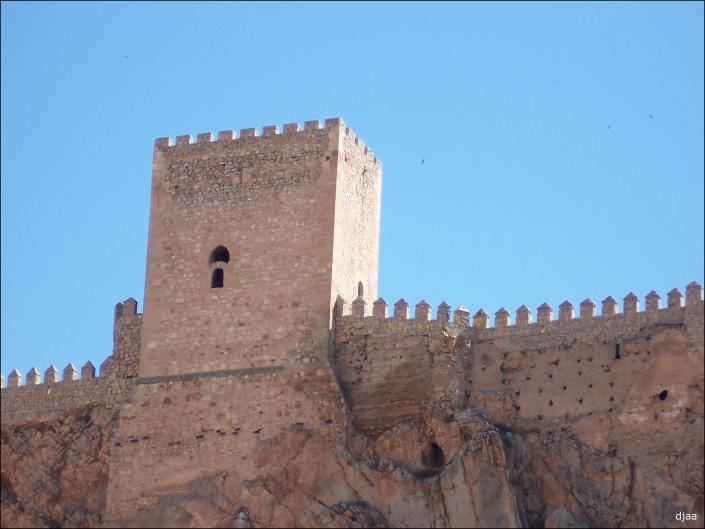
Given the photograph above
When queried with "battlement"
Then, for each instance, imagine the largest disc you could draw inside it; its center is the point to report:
(51, 376)
(391, 367)
(359, 320)
(266, 133)
(37, 398)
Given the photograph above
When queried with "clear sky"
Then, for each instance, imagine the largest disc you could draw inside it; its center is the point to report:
(545, 178)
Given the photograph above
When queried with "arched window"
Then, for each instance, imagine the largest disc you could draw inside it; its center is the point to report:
(219, 257)
(360, 290)
(217, 278)
(220, 254)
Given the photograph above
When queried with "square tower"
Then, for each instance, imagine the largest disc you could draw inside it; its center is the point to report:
(251, 239)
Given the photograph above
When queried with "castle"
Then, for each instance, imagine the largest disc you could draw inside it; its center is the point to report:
(259, 317)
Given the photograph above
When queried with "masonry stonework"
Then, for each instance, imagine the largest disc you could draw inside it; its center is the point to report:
(265, 384)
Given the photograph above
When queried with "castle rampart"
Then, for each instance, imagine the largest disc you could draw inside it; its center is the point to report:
(37, 400)
(390, 367)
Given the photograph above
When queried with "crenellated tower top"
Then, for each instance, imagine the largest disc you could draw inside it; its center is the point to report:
(277, 221)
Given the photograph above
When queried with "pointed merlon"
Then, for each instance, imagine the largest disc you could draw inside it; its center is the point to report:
(501, 318)
(609, 306)
(544, 313)
(379, 309)
(107, 368)
(565, 311)
(479, 319)
(88, 370)
(338, 308)
(674, 299)
(461, 316)
(630, 304)
(70, 373)
(443, 312)
(33, 376)
(14, 379)
(422, 311)
(358, 308)
(523, 316)
(130, 306)
(653, 301)
(401, 310)
(126, 308)
(693, 294)
(587, 309)
(51, 375)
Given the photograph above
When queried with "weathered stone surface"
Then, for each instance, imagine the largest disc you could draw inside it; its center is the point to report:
(54, 473)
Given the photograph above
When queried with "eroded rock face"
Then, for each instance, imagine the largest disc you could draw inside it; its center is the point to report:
(306, 481)
(450, 468)
(55, 473)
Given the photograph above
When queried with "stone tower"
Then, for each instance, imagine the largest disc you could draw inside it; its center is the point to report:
(250, 242)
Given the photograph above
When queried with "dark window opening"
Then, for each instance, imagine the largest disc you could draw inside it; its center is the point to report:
(433, 456)
(663, 395)
(217, 278)
(220, 254)
(616, 352)
(360, 290)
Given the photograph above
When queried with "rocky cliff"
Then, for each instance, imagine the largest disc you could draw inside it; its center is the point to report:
(474, 462)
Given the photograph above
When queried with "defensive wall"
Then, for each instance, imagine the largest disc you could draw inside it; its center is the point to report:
(43, 400)
(390, 368)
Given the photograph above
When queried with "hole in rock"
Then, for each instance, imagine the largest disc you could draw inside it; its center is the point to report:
(663, 395)
(616, 352)
(433, 456)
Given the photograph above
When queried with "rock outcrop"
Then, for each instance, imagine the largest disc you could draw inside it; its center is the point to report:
(55, 473)
(450, 468)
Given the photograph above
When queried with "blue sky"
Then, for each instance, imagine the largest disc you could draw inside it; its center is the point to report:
(544, 179)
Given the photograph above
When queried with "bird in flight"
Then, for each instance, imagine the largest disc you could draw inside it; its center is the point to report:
(650, 116)
(422, 161)
(609, 127)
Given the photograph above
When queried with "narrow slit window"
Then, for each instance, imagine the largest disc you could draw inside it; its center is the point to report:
(217, 278)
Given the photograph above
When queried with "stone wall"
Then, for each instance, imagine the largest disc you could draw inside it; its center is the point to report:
(208, 420)
(52, 398)
(390, 368)
(357, 206)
